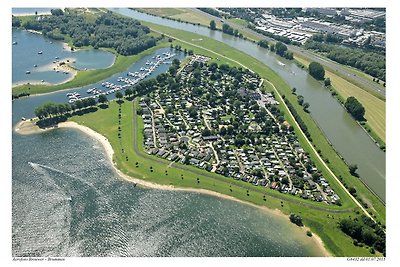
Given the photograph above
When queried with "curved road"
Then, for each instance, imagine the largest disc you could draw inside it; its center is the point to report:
(330, 64)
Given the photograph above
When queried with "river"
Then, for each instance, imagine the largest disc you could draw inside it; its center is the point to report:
(346, 136)
(67, 200)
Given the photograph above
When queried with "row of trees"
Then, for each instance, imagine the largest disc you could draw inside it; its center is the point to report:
(210, 11)
(279, 48)
(231, 31)
(297, 117)
(369, 62)
(125, 35)
(50, 109)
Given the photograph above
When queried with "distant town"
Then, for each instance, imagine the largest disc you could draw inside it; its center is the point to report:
(299, 26)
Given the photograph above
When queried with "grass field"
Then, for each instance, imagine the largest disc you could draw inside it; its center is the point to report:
(240, 22)
(375, 108)
(183, 14)
(89, 76)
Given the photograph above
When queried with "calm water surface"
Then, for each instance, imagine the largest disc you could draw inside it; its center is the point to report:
(43, 66)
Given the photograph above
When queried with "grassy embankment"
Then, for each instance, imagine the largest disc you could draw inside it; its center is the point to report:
(181, 14)
(86, 77)
(375, 108)
(239, 22)
(319, 221)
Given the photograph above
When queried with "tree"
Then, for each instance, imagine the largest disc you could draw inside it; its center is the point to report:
(206, 132)
(353, 191)
(353, 168)
(355, 108)
(78, 104)
(57, 12)
(16, 22)
(227, 29)
(263, 43)
(306, 105)
(316, 70)
(280, 48)
(102, 99)
(296, 219)
(327, 82)
(128, 92)
(213, 25)
(119, 95)
(222, 131)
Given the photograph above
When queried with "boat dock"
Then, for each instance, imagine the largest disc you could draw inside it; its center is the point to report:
(125, 82)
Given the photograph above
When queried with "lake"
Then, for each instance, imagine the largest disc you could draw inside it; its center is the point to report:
(40, 56)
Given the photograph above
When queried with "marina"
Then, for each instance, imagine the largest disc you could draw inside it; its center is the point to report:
(124, 82)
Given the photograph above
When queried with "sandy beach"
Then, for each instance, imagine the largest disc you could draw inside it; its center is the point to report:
(31, 13)
(110, 152)
(53, 67)
(28, 127)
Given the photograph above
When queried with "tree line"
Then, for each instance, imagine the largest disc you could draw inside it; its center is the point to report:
(127, 36)
(297, 117)
(210, 11)
(365, 231)
(279, 48)
(371, 63)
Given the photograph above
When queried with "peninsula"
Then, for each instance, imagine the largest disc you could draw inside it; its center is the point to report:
(221, 121)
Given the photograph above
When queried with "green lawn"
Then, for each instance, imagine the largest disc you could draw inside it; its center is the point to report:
(227, 117)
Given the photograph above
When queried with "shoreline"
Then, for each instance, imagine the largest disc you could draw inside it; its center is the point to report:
(28, 127)
(44, 13)
(110, 152)
(50, 67)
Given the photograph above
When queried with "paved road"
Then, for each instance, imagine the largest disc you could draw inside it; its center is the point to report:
(332, 65)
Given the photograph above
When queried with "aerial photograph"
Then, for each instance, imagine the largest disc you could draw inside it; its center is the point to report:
(198, 132)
